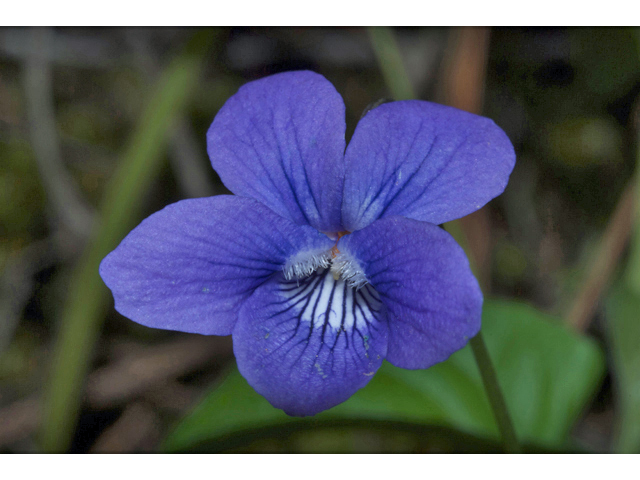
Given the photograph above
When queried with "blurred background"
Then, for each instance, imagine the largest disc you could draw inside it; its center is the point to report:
(101, 127)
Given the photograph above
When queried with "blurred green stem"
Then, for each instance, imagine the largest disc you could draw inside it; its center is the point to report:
(83, 313)
(390, 61)
(633, 264)
(496, 399)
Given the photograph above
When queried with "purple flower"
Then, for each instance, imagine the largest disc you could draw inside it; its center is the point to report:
(326, 261)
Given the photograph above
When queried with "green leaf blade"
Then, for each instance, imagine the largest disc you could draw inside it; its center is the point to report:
(623, 307)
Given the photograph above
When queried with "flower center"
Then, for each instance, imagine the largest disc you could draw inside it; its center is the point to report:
(322, 301)
(342, 265)
(345, 267)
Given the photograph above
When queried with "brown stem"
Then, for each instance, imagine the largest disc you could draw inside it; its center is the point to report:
(614, 239)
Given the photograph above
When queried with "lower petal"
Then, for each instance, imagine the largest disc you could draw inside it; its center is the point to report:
(309, 345)
(433, 301)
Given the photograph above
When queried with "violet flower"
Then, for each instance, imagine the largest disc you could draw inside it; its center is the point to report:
(325, 262)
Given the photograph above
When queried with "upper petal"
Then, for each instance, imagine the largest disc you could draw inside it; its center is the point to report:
(280, 140)
(423, 161)
(433, 301)
(190, 266)
(309, 345)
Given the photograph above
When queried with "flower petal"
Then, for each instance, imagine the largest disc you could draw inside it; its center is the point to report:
(307, 346)
(432, 299)
(280, 140)
(190, 266)
(423, 161)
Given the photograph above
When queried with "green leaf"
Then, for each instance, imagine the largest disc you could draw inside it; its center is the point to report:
(623, 325)
(547, 372)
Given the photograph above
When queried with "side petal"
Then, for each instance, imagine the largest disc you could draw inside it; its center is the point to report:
(190, 266)
(432, 299)
(307, 346)
(423, 161)
(280, 140)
